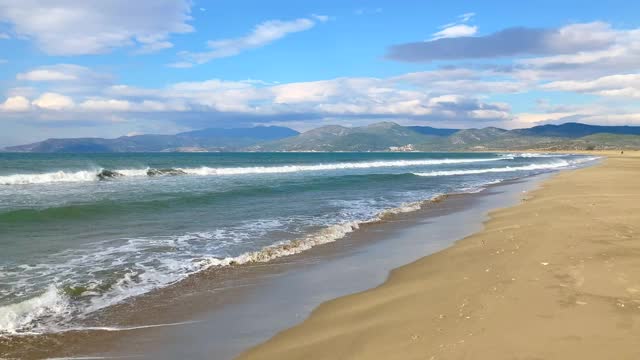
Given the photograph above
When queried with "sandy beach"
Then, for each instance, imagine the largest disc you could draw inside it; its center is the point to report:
(556, 277)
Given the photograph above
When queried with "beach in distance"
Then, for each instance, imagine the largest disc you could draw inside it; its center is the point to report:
(555, 277)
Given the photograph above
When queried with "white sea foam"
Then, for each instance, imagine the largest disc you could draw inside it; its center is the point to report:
(52, 177)
(331, 166)
(92, 175)
(544, 166)
(133, 172)
(323, 236)
(128, 328)
(50, 311)
(533, 155)
(18, 316)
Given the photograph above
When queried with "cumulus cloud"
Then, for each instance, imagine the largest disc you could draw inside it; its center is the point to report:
(261, 35)
(53, 101)
(517, 41)
(66, 27)
(15, 104)
(590, 58)
(402, 98)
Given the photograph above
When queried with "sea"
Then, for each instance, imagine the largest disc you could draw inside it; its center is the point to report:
(82, 232)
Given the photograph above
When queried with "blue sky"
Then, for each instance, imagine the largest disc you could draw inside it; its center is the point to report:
(112, 68)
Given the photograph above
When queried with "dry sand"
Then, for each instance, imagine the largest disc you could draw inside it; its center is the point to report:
(556, 277)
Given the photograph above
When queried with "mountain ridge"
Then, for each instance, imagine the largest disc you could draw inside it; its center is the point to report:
(210, 139)
(382, 136)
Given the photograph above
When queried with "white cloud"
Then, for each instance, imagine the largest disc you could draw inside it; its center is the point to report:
(65, 27)
(4, 36)
(105, 105)
(456, 31)
(466, 16)
(15, 104)
(589, 114)
(624, 85)
(582, 36)
(64, 78)
(618, 53)
(356, 98)
(457, 28)
(53, 101)
(462, 95)
(155, 46)
(304, 92)
(490, 114)
(45, 75)
(262, 35)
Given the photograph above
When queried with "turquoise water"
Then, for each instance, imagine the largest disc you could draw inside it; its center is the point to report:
(82, 232)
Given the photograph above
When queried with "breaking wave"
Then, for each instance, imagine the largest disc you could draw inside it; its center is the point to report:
(533, 155)
(545, 166)
(106, 174)
(54, 309)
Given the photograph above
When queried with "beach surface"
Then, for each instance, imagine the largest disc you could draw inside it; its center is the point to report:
(555, 277)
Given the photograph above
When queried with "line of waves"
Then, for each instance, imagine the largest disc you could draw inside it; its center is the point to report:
(532, 167)
(55, 309)
(106, 174)
(176, 201)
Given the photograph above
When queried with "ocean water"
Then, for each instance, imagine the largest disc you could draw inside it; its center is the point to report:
(79, 233)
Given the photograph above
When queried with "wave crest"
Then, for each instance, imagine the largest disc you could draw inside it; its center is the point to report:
(106, 174)
(546, 166)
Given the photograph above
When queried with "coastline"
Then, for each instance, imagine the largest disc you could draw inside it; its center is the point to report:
(553, 277)
(286, 289)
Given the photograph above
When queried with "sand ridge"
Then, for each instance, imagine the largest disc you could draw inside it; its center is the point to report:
(556, 277)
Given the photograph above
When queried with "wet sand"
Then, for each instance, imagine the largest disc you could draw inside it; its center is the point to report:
(555, 277)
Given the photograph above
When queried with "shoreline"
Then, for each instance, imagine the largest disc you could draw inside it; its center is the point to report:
(99, 343)
(561, 267)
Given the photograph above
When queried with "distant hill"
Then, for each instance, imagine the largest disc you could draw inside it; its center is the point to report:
(382, 136)
(374, 137)
(213, 139)
(577, 130)
(428, 130)
(390, 136)
(262, 133)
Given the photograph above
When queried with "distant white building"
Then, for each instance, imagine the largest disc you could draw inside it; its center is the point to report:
(408, 147)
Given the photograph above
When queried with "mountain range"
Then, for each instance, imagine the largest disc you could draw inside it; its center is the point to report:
(382, 136)
(212, 139)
